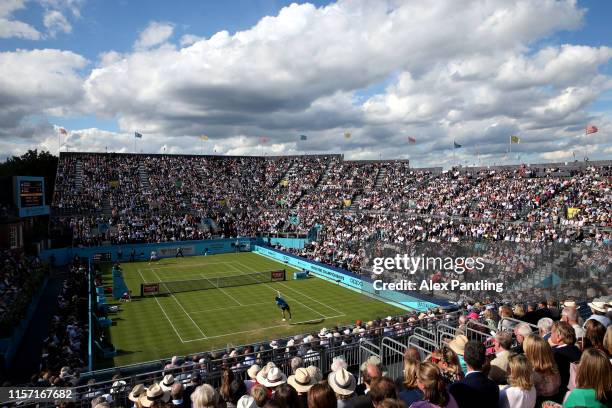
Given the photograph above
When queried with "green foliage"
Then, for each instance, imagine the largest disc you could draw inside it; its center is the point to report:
(33, 163)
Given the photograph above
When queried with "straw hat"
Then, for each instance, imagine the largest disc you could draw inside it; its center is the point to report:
(315, 373)
(458, 344)
(137, 391)
(154, 393)
(263, 373)
(167, 383)
(342, 382)
(598, 306)
(252, 371)
(246, 401)
(275, 378)
(301, 380)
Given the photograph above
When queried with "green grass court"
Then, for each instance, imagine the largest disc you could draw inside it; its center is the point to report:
(161, 326)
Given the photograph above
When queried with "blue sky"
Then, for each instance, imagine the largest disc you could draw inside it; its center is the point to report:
(381, 93)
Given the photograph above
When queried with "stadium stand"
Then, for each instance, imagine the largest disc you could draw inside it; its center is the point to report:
(116, 198)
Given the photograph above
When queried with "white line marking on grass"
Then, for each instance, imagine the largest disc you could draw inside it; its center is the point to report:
(229, 307)
(261, 328)
(223, 291)
(274, 290)
(180, 305)
(301, 293)
(164, 312)
(187, 265)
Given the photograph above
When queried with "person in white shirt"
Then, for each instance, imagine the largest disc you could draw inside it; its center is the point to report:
(520, 391)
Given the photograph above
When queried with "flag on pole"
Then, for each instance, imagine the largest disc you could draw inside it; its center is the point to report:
(515, 139)
(203, 137)
(411, 140)
(264, 139)
(456, 145)
(303, 137)
(591, 129)
(347, 135)
(63, 131)
(137, 135)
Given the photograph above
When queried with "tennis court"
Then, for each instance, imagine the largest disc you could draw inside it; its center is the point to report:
(160, 326)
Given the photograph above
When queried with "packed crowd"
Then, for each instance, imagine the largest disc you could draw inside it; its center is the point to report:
(65, 348)
(21, 277)
(497, 355)
(145, 198)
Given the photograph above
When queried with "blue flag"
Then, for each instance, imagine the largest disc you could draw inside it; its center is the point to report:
(303, 137)
(137, 135)
(457, 145)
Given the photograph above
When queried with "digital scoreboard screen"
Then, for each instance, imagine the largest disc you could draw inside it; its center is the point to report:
(31, 193)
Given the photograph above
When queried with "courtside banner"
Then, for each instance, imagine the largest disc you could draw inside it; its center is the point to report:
(347, 279)
(171, 251)
(148, 289)
(277, 275)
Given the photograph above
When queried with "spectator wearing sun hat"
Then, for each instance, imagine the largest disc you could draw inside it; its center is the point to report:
(598, 307)
(274, 378)
(458, 346)
(246, 401)
(315, 373)
(252, 374)
(301, 382)
(167, 382)
(138, 391)
(154, 393)
(343, 383)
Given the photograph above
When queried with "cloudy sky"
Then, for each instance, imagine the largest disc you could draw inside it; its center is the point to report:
(470, 71)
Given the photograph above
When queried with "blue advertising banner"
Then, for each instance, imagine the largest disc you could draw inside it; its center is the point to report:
(350, 280)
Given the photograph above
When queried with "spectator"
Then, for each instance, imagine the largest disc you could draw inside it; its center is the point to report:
(544, 326)
(521, 331)
(259, 394)
(176, 394)
(448, 363)
(409, 390)
(502, 342)
(343, 383)
(433, 387)
(321, 396)
(546, 374)
(287, 397)
(593, 381)
(476, 389)
(371, 371)
(301, 383)
(458, 346)
(598, 308)
(381, 389)
(520, 391)
(570, 315)
(594, 334)
(204, 396)
(565, 352)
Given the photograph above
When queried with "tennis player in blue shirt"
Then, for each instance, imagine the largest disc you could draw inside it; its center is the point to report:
(284, 306)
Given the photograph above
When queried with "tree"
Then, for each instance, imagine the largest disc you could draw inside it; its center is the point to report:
(33, 163)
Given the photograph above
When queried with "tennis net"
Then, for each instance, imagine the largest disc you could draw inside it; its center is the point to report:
(167, 287)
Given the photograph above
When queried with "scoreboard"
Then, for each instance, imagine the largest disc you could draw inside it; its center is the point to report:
(30, 196)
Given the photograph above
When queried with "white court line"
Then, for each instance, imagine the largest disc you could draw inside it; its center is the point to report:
(223, 291)
(229, 307)
(301, 293)
(259, 329)
(274, 290)
(181, 306)
(188, 265)
(164, 312)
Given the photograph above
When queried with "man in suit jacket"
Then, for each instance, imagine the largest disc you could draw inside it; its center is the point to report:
(380, 389)
(476, 390)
